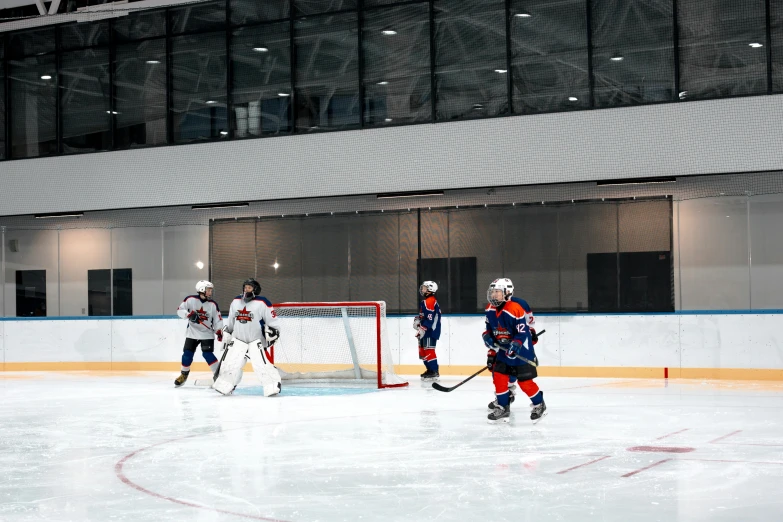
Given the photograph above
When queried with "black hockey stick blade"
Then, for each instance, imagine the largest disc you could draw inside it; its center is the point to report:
(438, 387)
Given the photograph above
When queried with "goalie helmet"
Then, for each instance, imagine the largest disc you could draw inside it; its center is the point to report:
(249, 296)
(201, 286)
(505, 286)
(428, 287)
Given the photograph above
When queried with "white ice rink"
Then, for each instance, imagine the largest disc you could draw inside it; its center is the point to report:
(131, 447)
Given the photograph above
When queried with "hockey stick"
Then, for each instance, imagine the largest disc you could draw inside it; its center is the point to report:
(438, 387)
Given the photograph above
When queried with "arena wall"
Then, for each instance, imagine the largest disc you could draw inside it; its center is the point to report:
(681, 345)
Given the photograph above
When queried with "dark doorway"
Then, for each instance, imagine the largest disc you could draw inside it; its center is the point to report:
(644, 278)
(456, 278)
(31, 293)
(102, 288)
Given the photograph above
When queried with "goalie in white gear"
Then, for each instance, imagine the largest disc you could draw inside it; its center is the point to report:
(250, 328)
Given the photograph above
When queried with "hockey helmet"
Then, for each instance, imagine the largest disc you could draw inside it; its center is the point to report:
(249, 296)
(201, 286)
(428, 287)
(506, 288)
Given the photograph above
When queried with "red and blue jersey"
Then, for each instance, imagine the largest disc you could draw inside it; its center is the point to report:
(429, 317)
(511, 321)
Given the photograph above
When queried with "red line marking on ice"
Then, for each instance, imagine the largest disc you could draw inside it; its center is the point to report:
(583, 465)
(660, 449)
(724, 437)
(670, 434)
(646, 468)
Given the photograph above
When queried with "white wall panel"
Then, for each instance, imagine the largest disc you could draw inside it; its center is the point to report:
(142, 340)
(58, 341)
(766, 243)
(734, 135)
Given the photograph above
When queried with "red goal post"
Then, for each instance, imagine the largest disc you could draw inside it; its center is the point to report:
(334, 342)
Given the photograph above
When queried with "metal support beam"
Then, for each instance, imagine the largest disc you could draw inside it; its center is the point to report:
(54, 6)
(41, 7)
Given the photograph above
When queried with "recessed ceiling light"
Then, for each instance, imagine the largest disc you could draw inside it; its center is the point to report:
(756, 44)
(389, 32)
(261, 49)
(224, 133)
(211, 102)
(46, 77)
(153, 62)
(501, 71)
(573, 98)
(617, 58)
(683, 95)
(523, 15)
(283, 94)
(276, 265)
(383, 83)
(387, 120)
(199, 265)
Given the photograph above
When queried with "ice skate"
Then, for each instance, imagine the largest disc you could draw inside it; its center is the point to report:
(494, 404)
(429, 376)
(183, 377)
(499, 414)
(538, 412)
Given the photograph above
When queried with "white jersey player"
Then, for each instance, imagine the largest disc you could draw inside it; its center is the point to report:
(251, 327)
(204, 323)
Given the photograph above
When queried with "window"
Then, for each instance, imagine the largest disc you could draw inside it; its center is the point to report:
(633, 51)
(327, 79)
(549, 56)
(33, 106)
(204, 16)
(107, 292)
(470, 59)
(140, 94)
(776, 30)
(81, 35)
(2, 103)
(31, 43)
(396, 47)
(722, 48)
(199, 93)
(85, 107)
(311, 7)
(252, 11)
(31, 293)
(261, 88)
(141, 25)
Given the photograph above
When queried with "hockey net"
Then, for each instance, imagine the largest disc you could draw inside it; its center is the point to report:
(335, 342)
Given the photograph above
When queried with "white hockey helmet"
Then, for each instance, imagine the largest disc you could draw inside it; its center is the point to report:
(201, 286)
(428, 287)
(505, 286)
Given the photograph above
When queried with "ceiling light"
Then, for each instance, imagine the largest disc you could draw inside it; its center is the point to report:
(387, 120)
(199, 265)
(211, 102)
(224, 133)
(283, 94)
(46, 77)
(383, 83)
(478, 106)
(637, 181)
(60, 215)
(153, 62)
(501, 71)
(276, 265)
(260, 49)
(219, 205)
(617, 58)
(523, 15)
(411, 194)
(683, 95)
(389, 32)
(756, 45)
(573, 98)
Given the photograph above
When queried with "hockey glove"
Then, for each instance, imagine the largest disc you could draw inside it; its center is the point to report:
(491, 359)
(416, 323)
(193, 317)
(489, 342)
(516, 348)
(534, 336)
(271, 333)
(422, 331)
(219, 335)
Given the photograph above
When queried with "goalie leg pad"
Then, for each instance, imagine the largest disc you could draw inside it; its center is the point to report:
(231, 364)
(266, 372)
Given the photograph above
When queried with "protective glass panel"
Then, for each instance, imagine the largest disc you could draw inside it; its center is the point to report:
(252, 11)
(261, 89)
(233, 259)
(375, 260)
(408, 255)
(633, 51)
(140, 249)
(279, 259)
(470, 59)
(549, 56)
(396, 47)
(204, 16)
(722, 48)
(766, 243)
(85, 105)
(140, 90)
(199, 93)
(81, 250)
(33, 107)
(325, 243)
(327, 90)
(185, 262)
(31, 251)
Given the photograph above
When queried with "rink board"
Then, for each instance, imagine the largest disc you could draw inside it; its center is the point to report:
(684, 345)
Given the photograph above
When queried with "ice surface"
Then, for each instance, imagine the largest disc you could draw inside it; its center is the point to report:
(131, 447)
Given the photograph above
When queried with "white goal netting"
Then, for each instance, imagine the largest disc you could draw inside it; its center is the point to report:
(335, 342)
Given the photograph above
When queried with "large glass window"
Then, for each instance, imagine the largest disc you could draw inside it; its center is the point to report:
(199, 87)
(204, 16)
(33, 106)
(633, 51)
(85, 107)
(311, 7)
(776, 30)
(261, 87)
(28, 43)
(137, 26)
(722, 48)
(549, 55)
(397, 83)
(2, 102)
(470, 59)
(252, 11)
(327, 79)
(81, 35)
(140, 91)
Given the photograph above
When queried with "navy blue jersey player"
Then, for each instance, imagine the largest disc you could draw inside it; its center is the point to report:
(427, 326)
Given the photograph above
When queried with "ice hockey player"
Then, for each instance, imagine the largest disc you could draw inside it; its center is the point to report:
(510, 335)
(254, 326)
(427, 326)
(204, 323)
